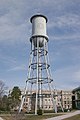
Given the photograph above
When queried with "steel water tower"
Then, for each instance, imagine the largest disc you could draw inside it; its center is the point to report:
(39, 76)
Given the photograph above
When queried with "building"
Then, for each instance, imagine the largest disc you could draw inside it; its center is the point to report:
(62, 98)
(76, 98)
(66, 99)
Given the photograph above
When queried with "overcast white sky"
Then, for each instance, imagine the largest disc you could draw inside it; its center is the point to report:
(64, 40)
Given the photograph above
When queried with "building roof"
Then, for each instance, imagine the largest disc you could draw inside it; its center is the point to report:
(76, 89)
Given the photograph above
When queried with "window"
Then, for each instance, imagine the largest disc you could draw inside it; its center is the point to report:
(49, 106)
(68, 102)
(64, 102)
(45, 106)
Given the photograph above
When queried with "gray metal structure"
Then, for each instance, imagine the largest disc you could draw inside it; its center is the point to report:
(39, 76)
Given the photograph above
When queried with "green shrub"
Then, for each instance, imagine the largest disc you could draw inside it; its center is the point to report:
(39, 112)
(49, 111)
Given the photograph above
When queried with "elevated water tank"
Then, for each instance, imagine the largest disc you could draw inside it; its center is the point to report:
(39, 33)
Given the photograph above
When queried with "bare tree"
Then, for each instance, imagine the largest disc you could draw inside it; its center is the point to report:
(2, 88)
(2, 92)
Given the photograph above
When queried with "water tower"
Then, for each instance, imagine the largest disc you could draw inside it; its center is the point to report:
(39, 76)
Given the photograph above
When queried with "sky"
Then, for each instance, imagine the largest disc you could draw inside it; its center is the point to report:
(63, 29)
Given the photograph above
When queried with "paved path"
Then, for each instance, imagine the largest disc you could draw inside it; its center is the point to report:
(64, 116)
(1, 118)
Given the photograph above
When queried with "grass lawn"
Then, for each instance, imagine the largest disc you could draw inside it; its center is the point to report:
(76, 117)
(28, 117)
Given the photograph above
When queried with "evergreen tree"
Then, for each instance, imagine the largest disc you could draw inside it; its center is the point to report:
(15, 97)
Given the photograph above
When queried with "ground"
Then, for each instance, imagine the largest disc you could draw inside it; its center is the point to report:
(76, 117)
(27, 117)
(33, 117)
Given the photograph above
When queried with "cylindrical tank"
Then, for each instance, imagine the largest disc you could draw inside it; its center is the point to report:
(39, 29)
